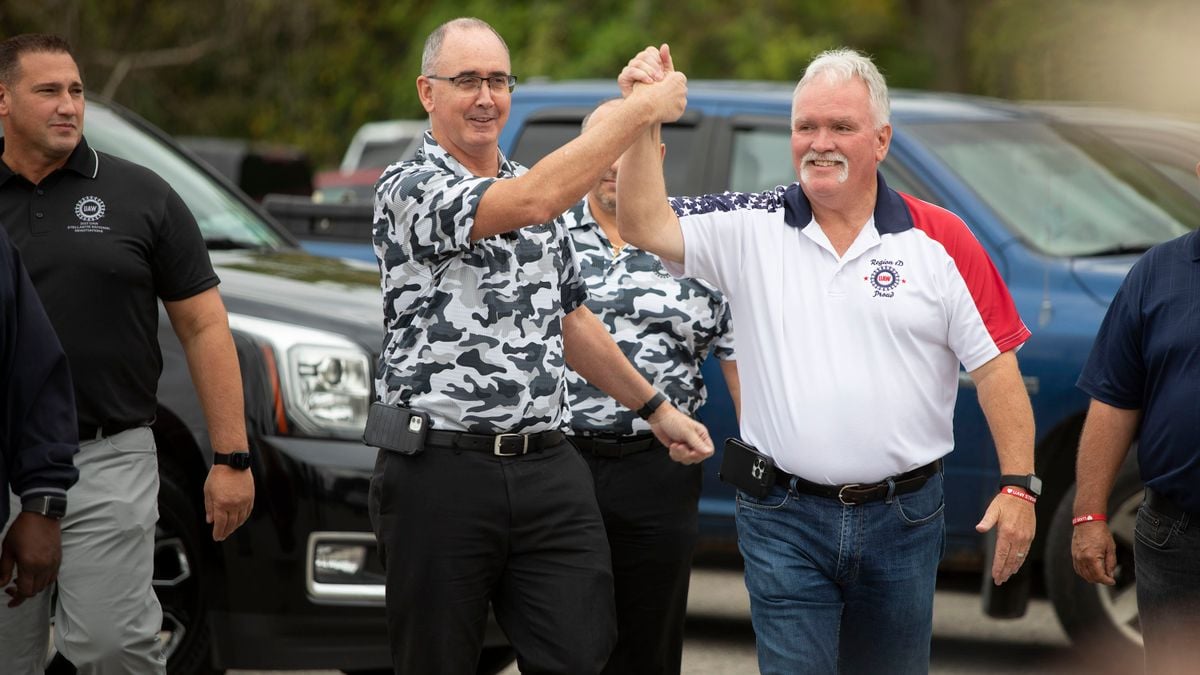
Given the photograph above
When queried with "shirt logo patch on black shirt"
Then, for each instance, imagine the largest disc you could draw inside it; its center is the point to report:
(89, 210)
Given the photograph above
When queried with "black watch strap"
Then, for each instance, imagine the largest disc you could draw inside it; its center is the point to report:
(1027, 481)
(49, 506)
(655, 401)
(236, 460)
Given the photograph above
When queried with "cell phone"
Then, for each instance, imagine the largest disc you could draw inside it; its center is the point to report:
(396, 429)
(747, 469)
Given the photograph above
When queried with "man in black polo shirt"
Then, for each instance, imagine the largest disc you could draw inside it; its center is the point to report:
(104, 240)
(1144, 379)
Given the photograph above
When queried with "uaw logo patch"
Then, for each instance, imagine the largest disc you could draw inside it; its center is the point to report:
(885, 278)
(89, 210)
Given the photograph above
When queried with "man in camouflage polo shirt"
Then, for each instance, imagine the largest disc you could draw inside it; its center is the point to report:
(666, 327)
(483, 305)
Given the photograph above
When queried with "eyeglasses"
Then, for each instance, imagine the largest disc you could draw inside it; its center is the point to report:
(471, 84)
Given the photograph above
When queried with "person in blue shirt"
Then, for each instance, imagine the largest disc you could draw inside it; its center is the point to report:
(1144, 379)
(37, 433)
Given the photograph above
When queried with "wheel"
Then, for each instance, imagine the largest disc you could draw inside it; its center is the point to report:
(181, 570)
(1095, 614)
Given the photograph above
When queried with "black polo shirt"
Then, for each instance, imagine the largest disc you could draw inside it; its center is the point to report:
(1147, 357)
(104, 239)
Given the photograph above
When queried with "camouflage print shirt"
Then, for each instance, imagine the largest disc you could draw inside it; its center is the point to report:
(474, 329)
(665, 326)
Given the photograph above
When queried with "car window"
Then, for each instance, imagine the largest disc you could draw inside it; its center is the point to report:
(384, 153)
(1066, 193)
(221, 216)
(762, 159)
(541, 137)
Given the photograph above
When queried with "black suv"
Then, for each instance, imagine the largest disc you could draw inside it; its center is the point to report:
(300, 585)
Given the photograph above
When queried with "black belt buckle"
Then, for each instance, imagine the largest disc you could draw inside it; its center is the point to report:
(501, 446)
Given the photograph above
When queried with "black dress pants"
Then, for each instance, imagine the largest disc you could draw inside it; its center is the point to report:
(649, 504)
(459, 529)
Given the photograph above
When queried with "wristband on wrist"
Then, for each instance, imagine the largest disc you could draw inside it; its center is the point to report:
(655, 401)
(1018, 492)
(1088, 518)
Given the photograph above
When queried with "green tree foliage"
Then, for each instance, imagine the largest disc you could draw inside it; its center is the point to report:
(309, 72)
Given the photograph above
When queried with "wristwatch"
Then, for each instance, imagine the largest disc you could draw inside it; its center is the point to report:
(235, 460)
(1028, 482)
(655, 401)
(49, 506)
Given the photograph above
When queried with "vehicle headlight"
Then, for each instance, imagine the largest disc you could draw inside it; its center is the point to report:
(325, 379)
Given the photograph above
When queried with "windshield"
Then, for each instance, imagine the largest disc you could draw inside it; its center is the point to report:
(1063, 190)
(223, 219)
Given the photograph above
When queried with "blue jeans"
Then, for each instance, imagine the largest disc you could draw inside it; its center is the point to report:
(838, 588)
(1166, 550)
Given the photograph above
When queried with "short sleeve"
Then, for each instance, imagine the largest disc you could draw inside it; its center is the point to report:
(572, 288)
(1115, 371)
(723, 346)
(181, 265)
(422, 213)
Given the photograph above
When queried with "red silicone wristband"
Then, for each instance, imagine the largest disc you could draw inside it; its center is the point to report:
(1018, 492)
(1088, 518)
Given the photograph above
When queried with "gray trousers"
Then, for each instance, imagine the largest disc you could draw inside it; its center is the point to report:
(107, 617)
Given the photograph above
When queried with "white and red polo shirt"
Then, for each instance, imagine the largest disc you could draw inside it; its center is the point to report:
(849, 365)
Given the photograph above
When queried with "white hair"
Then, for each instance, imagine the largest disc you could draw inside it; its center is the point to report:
(840, 66)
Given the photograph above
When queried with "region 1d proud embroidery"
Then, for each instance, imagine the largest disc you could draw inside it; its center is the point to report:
(885, 278)
(89, 210)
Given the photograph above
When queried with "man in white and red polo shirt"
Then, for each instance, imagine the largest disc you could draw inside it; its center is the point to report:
(854, 306)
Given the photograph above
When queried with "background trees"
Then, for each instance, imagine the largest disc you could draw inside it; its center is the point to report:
(308, 72)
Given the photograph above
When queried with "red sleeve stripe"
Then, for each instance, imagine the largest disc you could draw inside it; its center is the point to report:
(987, 288)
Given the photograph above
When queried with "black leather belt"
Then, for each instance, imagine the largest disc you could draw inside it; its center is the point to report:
(861, 493)
(1164, 505)
(614, 446)
(90, 432)
(501, 445)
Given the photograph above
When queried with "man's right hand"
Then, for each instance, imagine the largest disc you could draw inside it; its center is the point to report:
(1094, 553)
(666, 87)
(649, 66)
(686, 439)
(34, 546)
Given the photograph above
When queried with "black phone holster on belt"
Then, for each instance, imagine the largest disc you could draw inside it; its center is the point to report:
(396, 429)
(746, 469)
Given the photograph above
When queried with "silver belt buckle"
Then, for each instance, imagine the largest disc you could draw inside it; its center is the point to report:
(499, 452)
(842, 498)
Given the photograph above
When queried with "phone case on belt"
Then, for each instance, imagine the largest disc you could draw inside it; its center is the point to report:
(746, 469)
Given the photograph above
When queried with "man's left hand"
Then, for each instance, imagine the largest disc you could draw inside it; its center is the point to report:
(1016, 522)
(228, 498)
(33, 546)
(685, 438)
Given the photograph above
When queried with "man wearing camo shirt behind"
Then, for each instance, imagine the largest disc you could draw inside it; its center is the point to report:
(666, 327)
(483, 306)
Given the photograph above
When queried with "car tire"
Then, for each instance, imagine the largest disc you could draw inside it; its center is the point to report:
(1095, 615)
(182, 568)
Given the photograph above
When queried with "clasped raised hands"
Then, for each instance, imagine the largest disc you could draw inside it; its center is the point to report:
(651, 75)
